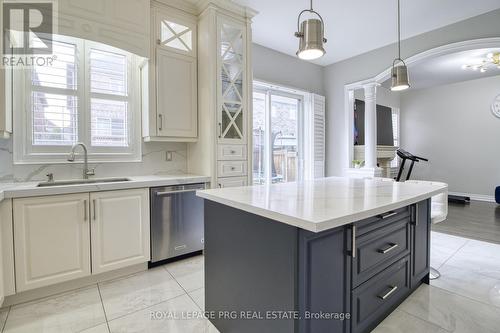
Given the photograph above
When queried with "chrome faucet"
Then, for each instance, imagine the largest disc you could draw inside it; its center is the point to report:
(71, 158)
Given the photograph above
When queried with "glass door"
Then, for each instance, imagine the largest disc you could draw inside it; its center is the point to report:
(277, 137)
(232, 75)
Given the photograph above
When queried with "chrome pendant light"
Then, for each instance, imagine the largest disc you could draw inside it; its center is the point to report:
(311, 34)
(400, 79)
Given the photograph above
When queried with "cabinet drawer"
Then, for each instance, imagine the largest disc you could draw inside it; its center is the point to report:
(232, 152)
(372, 301)
(376, 222)
(232, 182)
(231, 168)
(380, 248)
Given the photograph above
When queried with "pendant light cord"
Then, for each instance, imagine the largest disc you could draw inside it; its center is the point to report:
(311, 4)
(399, 29)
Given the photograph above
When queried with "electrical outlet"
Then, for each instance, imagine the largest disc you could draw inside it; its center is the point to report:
(169, 156)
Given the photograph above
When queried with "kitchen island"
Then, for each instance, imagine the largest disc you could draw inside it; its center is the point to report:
(329, 255)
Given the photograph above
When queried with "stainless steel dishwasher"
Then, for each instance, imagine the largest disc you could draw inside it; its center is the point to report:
(176, 221)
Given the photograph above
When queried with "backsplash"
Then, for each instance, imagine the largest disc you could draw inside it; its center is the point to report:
(153, 163)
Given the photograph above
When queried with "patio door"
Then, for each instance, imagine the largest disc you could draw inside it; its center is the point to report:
(277, 136)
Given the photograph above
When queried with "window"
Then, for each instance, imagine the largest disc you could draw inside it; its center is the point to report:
(395, 131)
(89, 94)
(277, 135)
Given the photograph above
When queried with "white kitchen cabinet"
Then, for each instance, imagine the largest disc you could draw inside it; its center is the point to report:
(176, 95)
(170, 92)
(120, 229)
(7, 248)
(51, 240)
(232, 182)
(232, 81)
(225, 95)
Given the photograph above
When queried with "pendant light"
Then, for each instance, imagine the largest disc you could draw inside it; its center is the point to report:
(311, 34)
(400, 80)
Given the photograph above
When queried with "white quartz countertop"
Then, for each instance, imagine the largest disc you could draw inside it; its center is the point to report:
(30, 189)
(326, 203)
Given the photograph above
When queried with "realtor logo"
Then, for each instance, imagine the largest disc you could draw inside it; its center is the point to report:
(28, 28)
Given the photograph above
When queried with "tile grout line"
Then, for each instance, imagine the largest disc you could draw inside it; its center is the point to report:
(149, 306)
(424, 320)
(187, 293)
(466, 296)
(103, 308)
(6, 318)
(449, 293)
(452, 255)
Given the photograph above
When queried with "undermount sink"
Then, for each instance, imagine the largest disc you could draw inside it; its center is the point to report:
(83, 181)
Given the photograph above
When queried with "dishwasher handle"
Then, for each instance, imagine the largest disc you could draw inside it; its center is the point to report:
(159, 194)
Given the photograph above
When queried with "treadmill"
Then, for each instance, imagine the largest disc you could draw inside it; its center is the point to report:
(406, 156)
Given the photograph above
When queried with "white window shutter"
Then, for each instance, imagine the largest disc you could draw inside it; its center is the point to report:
(319, 133)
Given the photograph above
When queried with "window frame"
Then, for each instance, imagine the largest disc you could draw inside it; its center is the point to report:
(27, 153)
(270, 90)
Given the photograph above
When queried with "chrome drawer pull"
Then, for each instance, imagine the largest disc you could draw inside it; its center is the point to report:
(389, 249)
(386, 216)
(353, 249)
(393, 289)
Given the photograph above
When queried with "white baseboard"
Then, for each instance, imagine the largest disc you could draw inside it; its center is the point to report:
(476, 197)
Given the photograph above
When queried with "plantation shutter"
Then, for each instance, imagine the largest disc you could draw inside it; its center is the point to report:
(319, 132)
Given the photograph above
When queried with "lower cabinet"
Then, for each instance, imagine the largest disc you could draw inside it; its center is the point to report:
(120, 229)
(421, 235)
(51, 240)
(56, 238)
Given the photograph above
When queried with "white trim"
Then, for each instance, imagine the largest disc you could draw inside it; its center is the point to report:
(386, 74)
(270, 90)
(26, 153)
(475, 197)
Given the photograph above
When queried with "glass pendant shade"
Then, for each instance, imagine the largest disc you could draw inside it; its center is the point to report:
(399, 73)
(311, 39)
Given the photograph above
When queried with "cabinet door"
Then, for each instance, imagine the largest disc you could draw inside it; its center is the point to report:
(51, 240)
(324, 279)
(232, 106)
(175, 31)
(176, 93)
(232, 182)
(421, 235)
(120, 229)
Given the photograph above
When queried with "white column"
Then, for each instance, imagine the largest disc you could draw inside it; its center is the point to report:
(371, 125)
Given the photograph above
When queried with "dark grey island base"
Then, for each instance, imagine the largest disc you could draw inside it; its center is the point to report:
(264, 276)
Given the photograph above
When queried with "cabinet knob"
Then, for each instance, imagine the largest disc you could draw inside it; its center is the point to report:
(233, 168)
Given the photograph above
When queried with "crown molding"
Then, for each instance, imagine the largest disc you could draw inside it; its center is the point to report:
(227, 5)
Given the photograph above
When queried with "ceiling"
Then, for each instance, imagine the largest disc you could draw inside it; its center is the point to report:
(354, 27)
(448, 69)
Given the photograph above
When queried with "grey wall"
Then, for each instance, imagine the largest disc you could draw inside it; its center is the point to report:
(453, 126)
(280, 68)
(370, 64)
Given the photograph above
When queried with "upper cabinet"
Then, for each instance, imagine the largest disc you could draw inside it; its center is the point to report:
(171, 111)
(232, 110)
(225, 96)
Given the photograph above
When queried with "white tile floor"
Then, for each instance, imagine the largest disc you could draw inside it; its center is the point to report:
(465, 299)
